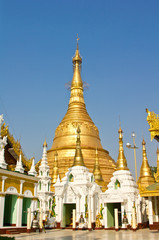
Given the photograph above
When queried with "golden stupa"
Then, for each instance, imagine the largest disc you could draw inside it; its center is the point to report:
(64, 141)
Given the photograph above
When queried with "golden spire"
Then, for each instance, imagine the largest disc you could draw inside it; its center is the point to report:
(55, 169)
(146, 177)
(121, 162)
(77, 84)
(96, 171)
(78, 159)
(45, 143)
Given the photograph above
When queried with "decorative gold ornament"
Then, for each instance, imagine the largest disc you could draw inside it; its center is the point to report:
(146, 177)
(121, 162)
(153, 121)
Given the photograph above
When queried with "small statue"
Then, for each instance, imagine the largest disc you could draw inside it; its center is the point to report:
(81, 220)
(98, 222)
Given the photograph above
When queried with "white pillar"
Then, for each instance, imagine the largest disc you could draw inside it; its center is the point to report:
(19, 212)
(105, 216)
(89, 220)
(74, 219)
(28, 218)
(116, 219)
(139, 210)
(21, 186)
(3, 182)
(156, 209)
(150, 210)
(41, 219)
(133, 218)
(92, 208)
(129, 211)
(2, 199)
(122, 212)
(78, 209)
(35, 189)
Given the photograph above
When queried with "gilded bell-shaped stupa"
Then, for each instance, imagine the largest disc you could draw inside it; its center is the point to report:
(121, 161)
(145, 178)
(65, 135)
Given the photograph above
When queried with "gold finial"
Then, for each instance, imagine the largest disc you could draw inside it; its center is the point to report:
(96, 171)
(121, 162)
(55, 169)
(146, 177)
(77, 40)
(45, 143)
(78, 159)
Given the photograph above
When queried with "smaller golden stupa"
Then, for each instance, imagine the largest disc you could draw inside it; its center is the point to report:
(145, 178)
(121, 161)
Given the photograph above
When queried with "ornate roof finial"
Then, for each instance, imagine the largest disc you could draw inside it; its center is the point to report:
(55, 173)
(45, 143)
(78, 159)
(145, 178)
(96, 171)
(121, 161)
(32, 169)
(77, 40)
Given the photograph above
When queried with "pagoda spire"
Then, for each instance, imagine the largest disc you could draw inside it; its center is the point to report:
(32, 169)
(145, 178)
(96, 171)
(55, 169)
(77, 83)
(121, 161)
(19, 165)
(78, 159)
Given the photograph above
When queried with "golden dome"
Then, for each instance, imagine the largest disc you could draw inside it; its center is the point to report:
(65, 135)
(146, 177)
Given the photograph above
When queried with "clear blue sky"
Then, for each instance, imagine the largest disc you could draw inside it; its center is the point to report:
(119, 43)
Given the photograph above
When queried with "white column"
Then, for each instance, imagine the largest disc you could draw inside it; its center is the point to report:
(28, 218)
(78, 209)
(129, 211)
(116, 219)
(150, 210)
(105, 215)
(21, 186)
(32, 210)
(35, 189)
(133, 218)
(19, 212)
(122, 212)
(74, 219)
(41, 219)
(156, 209)
(92, 208)
(3, 182)
(89, 219)
(2, 199)
(139, 210)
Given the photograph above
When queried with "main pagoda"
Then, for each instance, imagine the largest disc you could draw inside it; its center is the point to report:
(64, 142)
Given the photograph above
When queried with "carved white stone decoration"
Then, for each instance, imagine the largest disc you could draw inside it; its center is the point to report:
(12, 190)
(32, 169)
(28, 193)
(19, 165)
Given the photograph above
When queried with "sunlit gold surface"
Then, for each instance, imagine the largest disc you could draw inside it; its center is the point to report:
(55, 169)
(78, 160)
(97, 173)
(121, 162)
(65, 135)
(153, 121)
(156, 175)
(146, 177)
(16, 148)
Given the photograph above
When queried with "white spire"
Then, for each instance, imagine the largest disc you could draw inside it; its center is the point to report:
(32, 169)
(19, 166)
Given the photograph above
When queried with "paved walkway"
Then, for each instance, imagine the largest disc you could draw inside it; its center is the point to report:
(58, 234)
